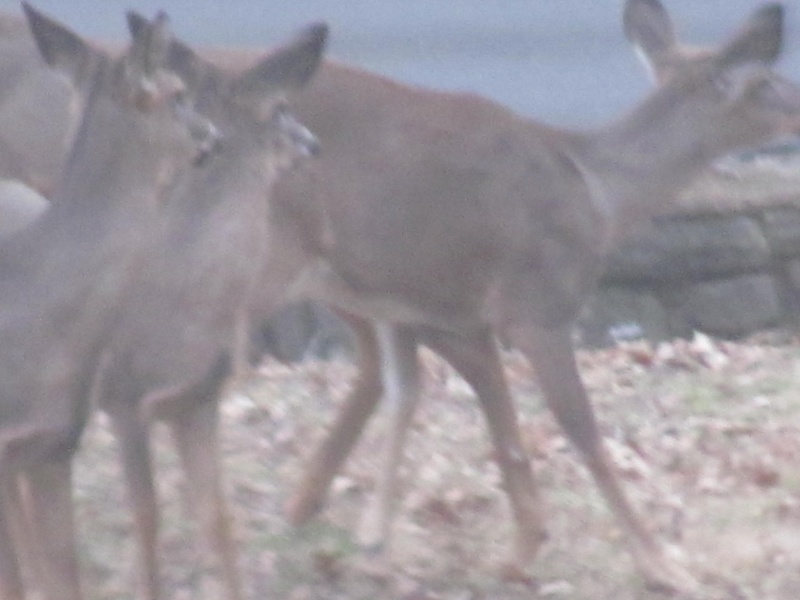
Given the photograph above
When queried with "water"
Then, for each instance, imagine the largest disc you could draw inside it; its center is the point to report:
(562, 61)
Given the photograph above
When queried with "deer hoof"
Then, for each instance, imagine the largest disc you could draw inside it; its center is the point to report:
(512, 572)
(663, 572)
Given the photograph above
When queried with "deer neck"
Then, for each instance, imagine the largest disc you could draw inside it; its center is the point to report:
(638, 165)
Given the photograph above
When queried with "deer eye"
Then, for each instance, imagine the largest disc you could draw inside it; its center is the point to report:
(145, 95)
(767, 86)
(279, 111)
(723, 83)
(179, 98)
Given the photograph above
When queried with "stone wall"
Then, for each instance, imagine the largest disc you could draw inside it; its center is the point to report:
(725, 261)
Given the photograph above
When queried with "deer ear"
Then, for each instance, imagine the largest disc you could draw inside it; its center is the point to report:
(288, 68)
(149, 82)
(60, 48)
(759, 40)
(151, 42)
(180, 58)
(649, 28)
(137, 23)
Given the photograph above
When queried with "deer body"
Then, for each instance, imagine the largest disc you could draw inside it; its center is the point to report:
(446, 252)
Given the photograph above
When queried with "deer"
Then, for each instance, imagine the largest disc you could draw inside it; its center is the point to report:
(172, 350)
(64, 276)
(446, 220)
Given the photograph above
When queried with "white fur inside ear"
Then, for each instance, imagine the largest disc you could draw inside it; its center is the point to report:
(641, 54)
(20, 206)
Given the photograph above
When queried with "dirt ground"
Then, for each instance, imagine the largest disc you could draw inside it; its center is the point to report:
(706, 433)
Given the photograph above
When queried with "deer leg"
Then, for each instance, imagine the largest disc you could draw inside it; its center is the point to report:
(50, 486)
(21, 521)
(240, 364)
(132, 434)
(10, 578)
(359, 405)
(195, 431)
(552, 355)
(400, 369)
(477, 359)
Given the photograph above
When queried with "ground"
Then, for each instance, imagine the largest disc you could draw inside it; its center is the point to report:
(706, 433)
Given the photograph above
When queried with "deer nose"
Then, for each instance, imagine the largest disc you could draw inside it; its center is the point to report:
(209, 139)
(201, 130)
(312, 146)
(301, 138)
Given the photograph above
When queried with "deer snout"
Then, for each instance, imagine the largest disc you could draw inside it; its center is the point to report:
(208, 137)
(305, 142)
(201, 130)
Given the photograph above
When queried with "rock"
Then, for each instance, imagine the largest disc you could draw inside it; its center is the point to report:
(728, 307)
(782, 230)
(691, 249)
(620, 314)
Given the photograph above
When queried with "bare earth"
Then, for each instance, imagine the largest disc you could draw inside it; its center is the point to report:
(707, 434)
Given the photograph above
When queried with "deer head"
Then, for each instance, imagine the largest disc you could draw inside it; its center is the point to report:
(728, 94)
(136, 92)
(650, 29)
(256, 102)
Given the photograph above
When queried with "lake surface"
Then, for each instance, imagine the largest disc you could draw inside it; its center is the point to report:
(562, 61)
